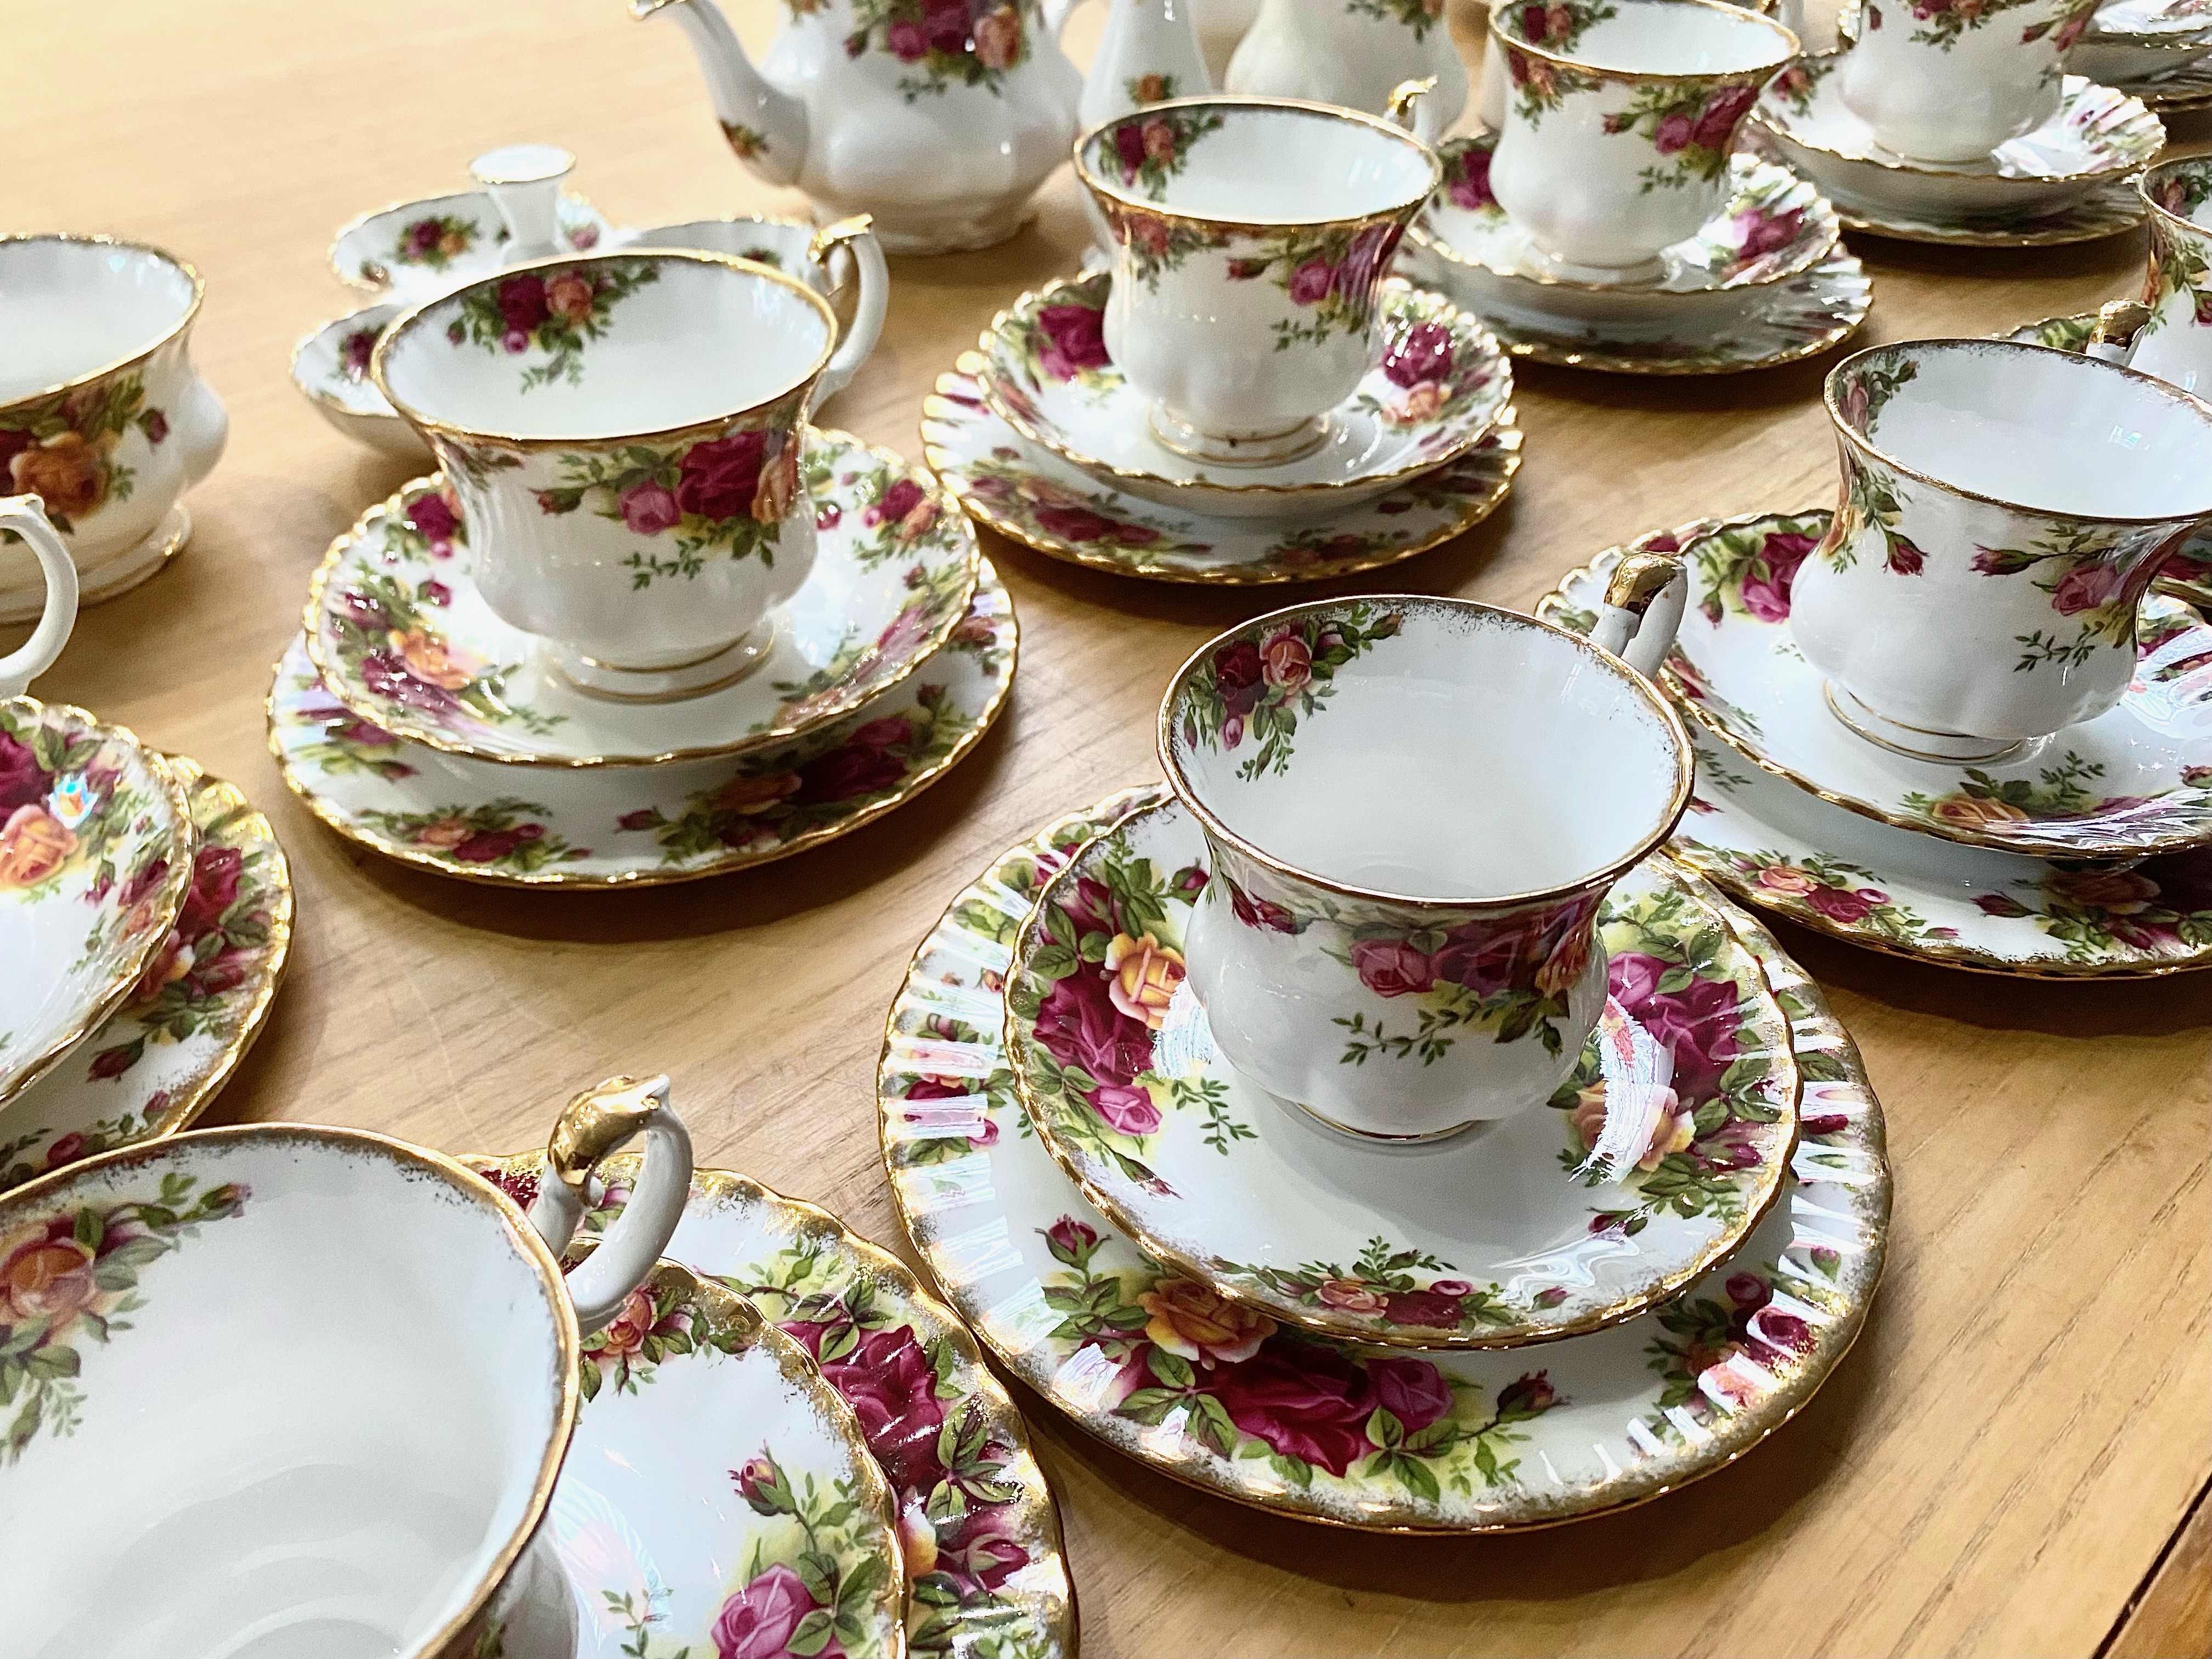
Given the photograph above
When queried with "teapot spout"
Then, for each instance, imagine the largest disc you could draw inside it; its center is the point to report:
(766, 127)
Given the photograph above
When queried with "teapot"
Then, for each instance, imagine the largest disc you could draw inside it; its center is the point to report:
(938, 117)
(1355, 53)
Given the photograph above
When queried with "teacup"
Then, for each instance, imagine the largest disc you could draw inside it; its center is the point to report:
(330, 1423)
(623, 432)
(102, 415)
(2003, 508)
(1251, 235)
(1412, 808)
(1618, 122)
(23, 522)
(2169, 334)
(1955, 83)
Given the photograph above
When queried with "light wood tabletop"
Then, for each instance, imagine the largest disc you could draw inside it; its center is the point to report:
(2006, 1463)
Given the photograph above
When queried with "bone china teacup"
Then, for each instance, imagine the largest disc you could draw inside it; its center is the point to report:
(102, 415)
(1413, 808)
(622, 431)
(301, 1392)
(1951, 82)
(1251, 235)
(2003, 508)
(2170, 333)
(1618, 121)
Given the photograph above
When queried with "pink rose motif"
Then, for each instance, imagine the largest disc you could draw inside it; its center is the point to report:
(759, 1621)
(1412, 1391)
(1350, 1295)
(1716, 121)
(1904, 559)
(1699, 1022)
(1159, 139)
(1362, 263)
(1469, 186)
(906, 40)
(1768, 581)
(1256, 912)
(1391, 968)
(984, 1554)
(1788, 882)
(2087, 587)
(1674, 133)
(1423, 356)
(1305, 1400)
(718, 477)
(1844, 904)
(649, 508)
(1075, 340)
(1126, 1107)
(1852, 402)
(1311, 282)
(1287, 661)
(1758, 233)
(999, 38)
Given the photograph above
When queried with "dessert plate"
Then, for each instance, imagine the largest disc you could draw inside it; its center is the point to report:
(1226, 1397)
(415, 250)
(1767, 842)
(1029, 496)
(984, 1571)
(96, 852)
(626, 826)
(1516, 1232)
(403, 636)
(192, 1017)
(1441, 385)
(2134, 782)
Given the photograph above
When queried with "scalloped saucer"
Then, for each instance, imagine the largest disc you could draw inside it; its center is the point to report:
(1226, 1397)
(24, 592)
(1442, 385)
(1767, 842)
(1508, 1235)
(417, 249)
(2177, 92)
(404, 638)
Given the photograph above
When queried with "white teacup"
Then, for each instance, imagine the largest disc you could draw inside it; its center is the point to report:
(624, 432)
(2170, 333)
(102, 415)
(1250, 236)
(1618, 122)
(1953, 85)
(329, 1426)
(2003, 508)
(1413, 808)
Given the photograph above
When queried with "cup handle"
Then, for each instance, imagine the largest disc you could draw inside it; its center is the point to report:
(1643, 608)
(858, 237)
(1410, 107)
(2119, 326)
(591, 1127)
(26, 516)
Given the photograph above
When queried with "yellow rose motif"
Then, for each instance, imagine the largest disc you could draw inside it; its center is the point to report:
(1145, 974)
(1422, 403)
(779, 484)
(2116, 892)
(33, 844)
(1671, 1130)
(1194, 1320)
(65, 472)
(443, 832)
(917, 1539)
(568, 296)
(1975, 812)
(744, 796)
(432, 660)
(1562, 971)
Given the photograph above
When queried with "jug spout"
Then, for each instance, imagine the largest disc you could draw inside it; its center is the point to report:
(766, 127)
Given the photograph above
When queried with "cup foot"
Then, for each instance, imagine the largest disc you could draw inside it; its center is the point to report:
(107, 578)
(1915, 742)
(695, 679)
(1289, 443)
(1643, 273)
(1375, 1136)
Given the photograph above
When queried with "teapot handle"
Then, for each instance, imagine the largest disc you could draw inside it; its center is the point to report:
(857, 236)
(26, 516)
(1643, 607)
(591, 1127)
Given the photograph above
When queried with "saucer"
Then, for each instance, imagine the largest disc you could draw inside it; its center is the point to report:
(1442, 385)
(2098, 137)
(2136, 780)
(404, 638)
(2177, 92)
(1771, 227)
(1512, 1234)
(2126, 58)
(159, 1059)
(982, 1532)
(630, 827)
(331, 367)
(1224, 1397)
(24, 600)
(415, 250)
(1767, 842)
(1029, 496)
(96, 850)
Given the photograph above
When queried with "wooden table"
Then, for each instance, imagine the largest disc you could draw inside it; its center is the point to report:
(2006, 1464)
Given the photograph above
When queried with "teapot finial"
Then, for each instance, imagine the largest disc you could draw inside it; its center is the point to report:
(766, 128)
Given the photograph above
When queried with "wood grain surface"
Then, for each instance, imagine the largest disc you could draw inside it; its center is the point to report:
(1996, 1468)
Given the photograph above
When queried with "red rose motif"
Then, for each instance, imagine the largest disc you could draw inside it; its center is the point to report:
(1412, 1391)
(1391, 968)
(1674, 133)
(900, 499)
(215, 874)
(1362, 263)
(1468, 185)
(718, 477)
(1075, 340)
(1079, 1025)
(434, 516)
(1129, 149)
(1767, 233)
(522, 305)
(488, 847)
(1263, 914)
(1904, 559)
(850, 769)
(983, 1556)
(1697, 1024)
(1716, 122)
(22, 779)
(1428, 1307)
(946, 24)
(1311, 282)
(1768, 580)
(2087, 587)
(1080, 524)
(1483, 956)
(905, 38)
(1238, 671)
(759, 1620)
(1305, 1400)
(890, 1385)
(1842, 904)
(1423, 355)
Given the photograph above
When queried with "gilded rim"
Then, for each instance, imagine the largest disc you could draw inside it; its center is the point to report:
(1747, 927)
(1322, 490)
(2174, 167)
(2182, 92)
(315, 394)
(174, 330)
(554, 878)
(946, 466)
(1757, 1202)
(2120, 210)
(1039, 1505)
(1684, 767)
(1395, 211)
(168, 898)
(1756, 74)
(470, 1185)
(931, 644)
(360, 284)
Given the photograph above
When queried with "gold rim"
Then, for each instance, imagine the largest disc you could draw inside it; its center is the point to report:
(947, 467)
(2185, 91)
(1396, 211)
(2115, 202)
(1213, 1271)
(173, 332)
(470, 1185)
(315, 394)
(1486, 345)
(1756, 73)
(417, 317)
(992, 707)
(751, 743)
(1635, 682)
(360, 284)
(2174, 169)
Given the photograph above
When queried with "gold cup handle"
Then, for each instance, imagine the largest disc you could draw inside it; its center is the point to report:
(1643, 608)
(857, 237)
(595, 1124)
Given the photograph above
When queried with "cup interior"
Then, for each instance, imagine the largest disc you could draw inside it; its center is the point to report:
(1246, 163)
(1472, 756)
(2184, 189)
(325, 1423)
(2052, 431)
(614, 345)
(1656, 37)
(69, 306)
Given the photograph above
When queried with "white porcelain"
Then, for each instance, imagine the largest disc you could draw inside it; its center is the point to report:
(2003, 506)
(938, 117)
(1331, 53)
(102, 415)
(1147, 54)
(2166, 19)
(1250, 239)
(23, 523)
(330, 366)
(400, 1351)
(416, 249)
(2141, 39)
(623, 433)
(1619, 120)
(2170, 335)
(1953, 84)
(1412, 808)
(523, 182)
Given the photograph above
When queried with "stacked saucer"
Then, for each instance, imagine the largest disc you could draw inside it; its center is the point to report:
(2154, 50)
